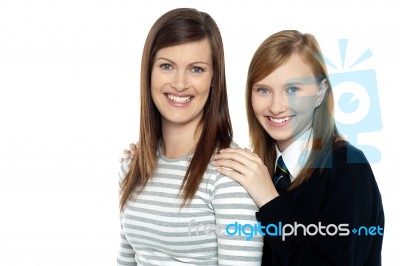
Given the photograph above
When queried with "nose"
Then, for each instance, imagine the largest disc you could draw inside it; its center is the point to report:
(180, 81)
(278, 104)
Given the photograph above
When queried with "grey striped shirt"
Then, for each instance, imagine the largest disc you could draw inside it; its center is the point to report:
(156, 231)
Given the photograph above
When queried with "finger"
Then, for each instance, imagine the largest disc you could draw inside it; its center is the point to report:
(132, 147)
(231, 174)
(126, 154)
(239, 156)
(248, 154)
(233, 165)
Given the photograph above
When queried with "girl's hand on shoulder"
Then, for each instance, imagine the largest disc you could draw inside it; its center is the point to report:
(247, 169)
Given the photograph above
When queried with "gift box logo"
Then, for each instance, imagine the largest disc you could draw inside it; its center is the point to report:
(357, 108)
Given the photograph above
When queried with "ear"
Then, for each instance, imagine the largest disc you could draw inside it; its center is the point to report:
(323, 87)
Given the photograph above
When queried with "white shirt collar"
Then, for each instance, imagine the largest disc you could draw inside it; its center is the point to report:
(296, 155)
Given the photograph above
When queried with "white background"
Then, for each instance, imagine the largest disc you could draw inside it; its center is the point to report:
(69, 93)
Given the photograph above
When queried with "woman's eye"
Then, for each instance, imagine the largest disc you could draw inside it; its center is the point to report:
(292, 90)
(166, 66)
(197, 69)
(262, 91)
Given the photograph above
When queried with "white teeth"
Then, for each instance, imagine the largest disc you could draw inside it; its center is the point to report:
(177, 99)
(280, 120)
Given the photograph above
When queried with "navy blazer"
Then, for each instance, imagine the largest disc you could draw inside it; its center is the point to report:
(343, 202)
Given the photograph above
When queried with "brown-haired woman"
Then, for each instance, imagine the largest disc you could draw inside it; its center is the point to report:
(322, 206)
(174, 205)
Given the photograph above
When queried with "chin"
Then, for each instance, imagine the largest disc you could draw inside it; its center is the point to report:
(280, 137)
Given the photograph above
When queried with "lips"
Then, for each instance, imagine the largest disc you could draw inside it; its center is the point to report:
(279, 120)
(178, 99)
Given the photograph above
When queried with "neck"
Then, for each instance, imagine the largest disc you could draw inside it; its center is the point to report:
(179, 140)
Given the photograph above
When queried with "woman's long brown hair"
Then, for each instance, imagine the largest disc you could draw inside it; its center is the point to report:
(271, 54)
(179, 26)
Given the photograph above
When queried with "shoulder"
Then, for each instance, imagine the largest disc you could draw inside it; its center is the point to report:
(350, 165)
(218, 184)
(345, 153)
(230, 196)
(229, 188)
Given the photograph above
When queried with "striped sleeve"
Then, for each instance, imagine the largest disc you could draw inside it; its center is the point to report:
(234, 208)
(126, 255)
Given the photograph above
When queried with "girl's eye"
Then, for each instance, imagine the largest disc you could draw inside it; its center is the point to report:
(292, 90)
(262, 90)
(166, 66)
(197, 69)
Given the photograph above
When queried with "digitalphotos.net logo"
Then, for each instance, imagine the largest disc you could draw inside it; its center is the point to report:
(249, 231)
(357, 108)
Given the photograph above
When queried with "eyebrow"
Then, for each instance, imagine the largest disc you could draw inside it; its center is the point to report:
(169, 60)
(259, 85)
